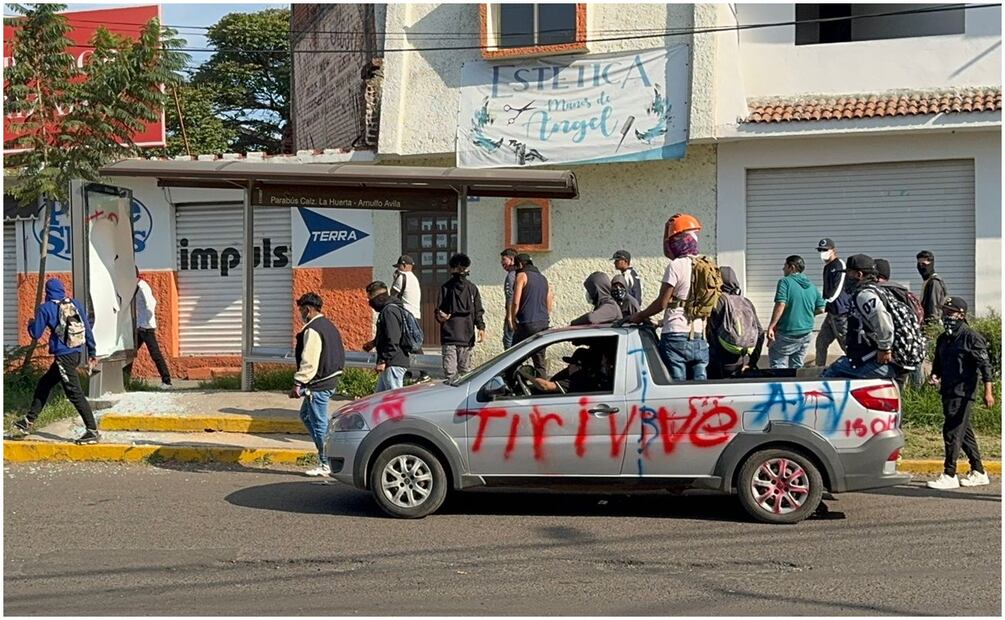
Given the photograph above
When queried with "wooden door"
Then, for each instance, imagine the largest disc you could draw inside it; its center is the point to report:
(430, 239)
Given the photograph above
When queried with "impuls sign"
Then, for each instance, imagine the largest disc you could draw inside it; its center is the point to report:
(127, 21)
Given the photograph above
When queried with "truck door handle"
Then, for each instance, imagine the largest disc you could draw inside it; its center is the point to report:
(603, 410)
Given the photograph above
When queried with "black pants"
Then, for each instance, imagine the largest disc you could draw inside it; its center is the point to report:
(62, 372)
(957, 433)
(526, 330)
(149, 337)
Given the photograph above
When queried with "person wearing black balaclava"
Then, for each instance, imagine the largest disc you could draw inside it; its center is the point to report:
(961, 354)
(933, 291)
(392, 360)
(619, 292)
(460, 314)
(598, 294)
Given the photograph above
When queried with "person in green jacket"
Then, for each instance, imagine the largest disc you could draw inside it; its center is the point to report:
(797, 301)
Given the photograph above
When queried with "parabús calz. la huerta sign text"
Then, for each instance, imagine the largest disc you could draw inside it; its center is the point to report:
(595, 109)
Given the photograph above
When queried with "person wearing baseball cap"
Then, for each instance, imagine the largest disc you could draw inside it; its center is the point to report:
(405, 286)
(838, 299)
(623, 263)
(961, 354)
(869, 344)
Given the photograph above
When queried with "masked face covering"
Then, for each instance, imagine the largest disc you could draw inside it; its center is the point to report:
(684, 244)
(926, 271)
(951, 325)
(825, 257)
(618, 293)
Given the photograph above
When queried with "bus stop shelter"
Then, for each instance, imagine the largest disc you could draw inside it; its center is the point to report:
(347, 186)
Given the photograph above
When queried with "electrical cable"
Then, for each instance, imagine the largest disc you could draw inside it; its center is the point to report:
(659, 34)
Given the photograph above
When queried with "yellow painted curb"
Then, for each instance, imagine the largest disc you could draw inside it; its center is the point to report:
(200, 423)
(935, 467)
(30, 451)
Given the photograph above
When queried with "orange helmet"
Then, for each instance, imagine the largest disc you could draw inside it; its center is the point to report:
(680, 222)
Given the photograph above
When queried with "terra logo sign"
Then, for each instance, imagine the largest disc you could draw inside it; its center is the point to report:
(325, 235)
(59, 229)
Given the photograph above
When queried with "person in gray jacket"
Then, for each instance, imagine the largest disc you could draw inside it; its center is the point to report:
(869, 353)
(598, 294)
(619, 291)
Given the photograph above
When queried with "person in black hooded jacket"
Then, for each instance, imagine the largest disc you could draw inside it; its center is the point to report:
(598, 293)
(723, 364)
(460, 314)
(392, 360)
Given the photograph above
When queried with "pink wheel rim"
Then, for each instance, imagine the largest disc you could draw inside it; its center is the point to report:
(780, 486)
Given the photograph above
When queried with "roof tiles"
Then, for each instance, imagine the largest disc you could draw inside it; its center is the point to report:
(840, 107)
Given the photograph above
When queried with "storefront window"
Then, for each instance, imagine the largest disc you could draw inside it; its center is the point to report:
(528, 224)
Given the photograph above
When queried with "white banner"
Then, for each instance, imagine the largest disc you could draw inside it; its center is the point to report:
(595, 109)
(111, 272)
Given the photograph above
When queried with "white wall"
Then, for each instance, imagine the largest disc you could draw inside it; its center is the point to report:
(772, 65)
(420, 95)
(984, 147)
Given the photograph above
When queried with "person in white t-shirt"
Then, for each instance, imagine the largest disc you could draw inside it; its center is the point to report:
(146, 330)
(682, 344)
(405, 286)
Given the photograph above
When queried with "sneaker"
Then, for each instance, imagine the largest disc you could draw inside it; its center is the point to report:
(975, 479)
(23, 426)
(166, 386)
(944, 483)
(89, 437)
(321, 470)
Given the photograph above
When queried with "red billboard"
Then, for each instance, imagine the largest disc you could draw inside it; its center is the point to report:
(127, 21)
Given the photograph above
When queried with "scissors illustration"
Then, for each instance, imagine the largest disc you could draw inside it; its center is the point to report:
(519, 111)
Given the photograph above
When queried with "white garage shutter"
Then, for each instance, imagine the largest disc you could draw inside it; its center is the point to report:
(210, 240)
(10, 322)
(889, 210)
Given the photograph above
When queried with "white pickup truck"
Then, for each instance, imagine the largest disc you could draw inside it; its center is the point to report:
(777, 442)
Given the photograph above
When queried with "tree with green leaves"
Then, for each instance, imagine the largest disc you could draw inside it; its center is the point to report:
(69, 121)
(198, 130)
(250, 88)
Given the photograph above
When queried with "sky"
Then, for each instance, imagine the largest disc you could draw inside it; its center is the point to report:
(189, 14)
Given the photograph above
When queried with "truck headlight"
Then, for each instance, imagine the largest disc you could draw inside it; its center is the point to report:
(348, 421)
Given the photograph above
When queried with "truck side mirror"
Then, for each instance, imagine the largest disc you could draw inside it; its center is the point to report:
(495, 387)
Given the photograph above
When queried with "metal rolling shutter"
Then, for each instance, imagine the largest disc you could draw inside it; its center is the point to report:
(209, 312)
(889, 210)
(10, 322)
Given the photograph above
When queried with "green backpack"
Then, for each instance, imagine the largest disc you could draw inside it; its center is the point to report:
(706, 287)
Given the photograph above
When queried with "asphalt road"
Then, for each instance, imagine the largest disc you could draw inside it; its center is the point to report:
(112, 539)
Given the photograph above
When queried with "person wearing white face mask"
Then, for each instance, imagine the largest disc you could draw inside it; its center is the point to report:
(835, 326)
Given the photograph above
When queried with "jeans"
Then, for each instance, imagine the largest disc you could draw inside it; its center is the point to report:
(868, 370)
(835, 327)
(456, 360)
(392, 378)
(788, 351)
(63, 371)
(526, 330)
(314, 414)
(507, 336)
(958, 433)
(685, 357)
(149, 337)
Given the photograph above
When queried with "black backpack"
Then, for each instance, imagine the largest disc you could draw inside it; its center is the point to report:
(740, 327)
(411, 333)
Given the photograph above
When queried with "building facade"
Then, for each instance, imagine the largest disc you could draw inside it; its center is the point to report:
(883, 133)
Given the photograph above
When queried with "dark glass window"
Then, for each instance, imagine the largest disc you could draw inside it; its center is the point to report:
(526, 25)
(847, 22)
(529, 226)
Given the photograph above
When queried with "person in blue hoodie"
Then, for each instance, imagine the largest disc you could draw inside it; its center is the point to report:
(69, 333)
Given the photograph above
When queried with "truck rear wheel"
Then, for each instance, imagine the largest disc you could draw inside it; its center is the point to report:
(779, 486)
(408, 481)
